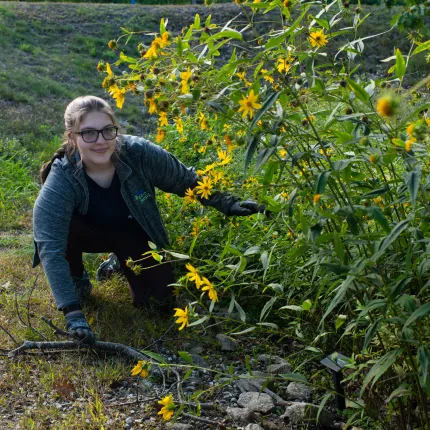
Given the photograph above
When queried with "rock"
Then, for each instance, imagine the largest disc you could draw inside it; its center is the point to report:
(275, 424)
(200, 361)
(241, 416)
(271, 359)
(254, 382)
(256, 402)
(277, 369)
(253, 427)
(299, 412)
(297, 391)
(180, 426)
(227, 343)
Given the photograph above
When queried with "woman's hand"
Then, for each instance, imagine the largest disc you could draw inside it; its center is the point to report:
(78, 326)
(248, 207)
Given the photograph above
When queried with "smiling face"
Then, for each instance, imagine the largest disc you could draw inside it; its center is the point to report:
(96, 156)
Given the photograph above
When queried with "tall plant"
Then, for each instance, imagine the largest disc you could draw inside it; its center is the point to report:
(342, 160)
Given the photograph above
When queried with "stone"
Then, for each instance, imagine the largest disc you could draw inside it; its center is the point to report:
(254, 382)
(271, 359)
(300, 412)
(227, 343)
(297, 391)
(277, 369)
(180, 426)
(253, 427)
(241, 416)
(256, 402)
(200, 361)
(275, 424)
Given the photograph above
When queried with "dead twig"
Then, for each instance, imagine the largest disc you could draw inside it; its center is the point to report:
(13, 339)
(200, 419)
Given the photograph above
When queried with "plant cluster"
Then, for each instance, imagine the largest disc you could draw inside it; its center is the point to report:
(342, 166)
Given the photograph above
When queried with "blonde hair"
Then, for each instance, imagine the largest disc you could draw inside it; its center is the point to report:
(73, 116)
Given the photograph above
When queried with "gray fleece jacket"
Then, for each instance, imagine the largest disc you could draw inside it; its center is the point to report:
(141, 167)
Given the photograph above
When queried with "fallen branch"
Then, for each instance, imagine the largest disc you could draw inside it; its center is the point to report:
(202, 420)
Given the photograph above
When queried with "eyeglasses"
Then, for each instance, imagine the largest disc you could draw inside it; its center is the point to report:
(90, 136)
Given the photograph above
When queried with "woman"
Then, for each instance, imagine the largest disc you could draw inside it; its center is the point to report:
(98, 195)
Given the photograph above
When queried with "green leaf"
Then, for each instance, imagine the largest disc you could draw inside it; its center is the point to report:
(264, 260)
(321, 182)
(375, 213)
(358, 90)
(295, 377)
(230, 34)
(248, 330)
(322, 404)
(124, 57)
(199, 321)
(340, 321)
(267, 307)
(293, 308)
(250, 149)
(163, 25)
(401, 391)
(400, 65)
(188, 374)
(242, 313)
(178, 255)
(422, 47)
(275, 41)
(338, 247)
(412, 181)
(341, 291)
(155, 356)
(197, 21)
(387, 241)
(264, 108)
(374, 193)
(307, 305)
(380, 367)
(421, 312)
(424, 355)
(370, 334)
(263, 156)
(186, 357)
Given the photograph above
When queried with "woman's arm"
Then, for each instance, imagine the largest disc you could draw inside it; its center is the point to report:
(52, 214)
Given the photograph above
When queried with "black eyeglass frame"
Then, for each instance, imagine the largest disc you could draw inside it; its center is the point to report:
(81, 133)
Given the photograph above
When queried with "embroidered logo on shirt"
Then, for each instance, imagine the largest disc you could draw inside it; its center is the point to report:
(141, 196)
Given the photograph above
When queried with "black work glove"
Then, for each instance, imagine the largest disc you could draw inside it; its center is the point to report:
(77, 326)
(230, 205)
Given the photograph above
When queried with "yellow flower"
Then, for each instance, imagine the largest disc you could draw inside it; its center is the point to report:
(152, 106)
(185, 88)
(317, 198)
(318, 39)
(204, 187)
(228, 142)
(284, 64)
(203, 121)
(208, 286)
(160, 135)
(202, 149)
(222, 155)
(249, 104)
(283, 153)
(118, 94)
(193, 275)
(162, 119)
(408, 145)
(179, 125)
(141, 369)
(182, 317)
(287, 3)
(168, 407)
(216, 176)
(410, 129)
(190, 197)
(386, 106)
(185, 76)
(374, 158)
(241, 76)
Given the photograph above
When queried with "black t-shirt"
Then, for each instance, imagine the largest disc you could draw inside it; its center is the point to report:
(107, 208)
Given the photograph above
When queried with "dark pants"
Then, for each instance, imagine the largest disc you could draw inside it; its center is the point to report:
(148, 287)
